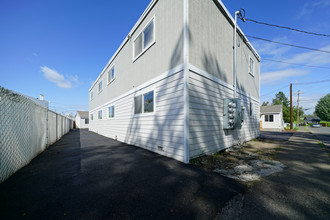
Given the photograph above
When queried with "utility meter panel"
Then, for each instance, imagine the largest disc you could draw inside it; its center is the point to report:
(232, 113)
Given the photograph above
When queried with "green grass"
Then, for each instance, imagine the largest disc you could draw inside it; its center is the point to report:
(296, 128)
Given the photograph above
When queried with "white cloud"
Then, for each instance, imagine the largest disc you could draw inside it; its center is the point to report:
(74, 79)
(53, 76)
(312, 58)
(309, 7)
(272, 77)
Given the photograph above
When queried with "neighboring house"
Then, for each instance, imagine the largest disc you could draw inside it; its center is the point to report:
(312, 119)
(169, 88)
(271, 117)
(82, 119)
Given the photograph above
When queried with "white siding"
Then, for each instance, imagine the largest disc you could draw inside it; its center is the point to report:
(276, 124)
(206, 117)
(162, 128)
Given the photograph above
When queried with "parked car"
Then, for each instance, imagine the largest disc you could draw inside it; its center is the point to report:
(316, 125)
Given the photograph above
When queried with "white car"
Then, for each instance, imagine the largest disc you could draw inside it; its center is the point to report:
(316, 125)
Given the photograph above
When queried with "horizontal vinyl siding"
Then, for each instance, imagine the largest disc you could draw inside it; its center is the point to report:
(162, 128)
(206, 117)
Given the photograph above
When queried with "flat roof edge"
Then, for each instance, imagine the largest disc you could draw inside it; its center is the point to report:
(137, 24)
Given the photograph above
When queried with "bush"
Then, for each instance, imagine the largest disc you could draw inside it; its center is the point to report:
(296, 128)
(328, 124)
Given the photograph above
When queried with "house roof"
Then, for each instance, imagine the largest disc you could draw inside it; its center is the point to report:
(312, 118)
(271, 109)
(83, 114)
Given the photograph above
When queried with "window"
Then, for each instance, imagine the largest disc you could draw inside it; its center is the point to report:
(251, 66)
(92, 95)
(144, 103)
(111, 112)
(100, 86)
(111, 74)
(251, 109)
(86, 121)
(100, 114)
(91, 117)
(269, 118)
(145, 39)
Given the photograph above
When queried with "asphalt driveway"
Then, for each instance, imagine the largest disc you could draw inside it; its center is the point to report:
(323, 134)
(88, 176)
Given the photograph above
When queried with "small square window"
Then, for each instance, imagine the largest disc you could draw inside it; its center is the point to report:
(111, 111)
(100, 114)
(271, 118)
(111, 74)
(100, 86)
(251, 66)
(86, 121)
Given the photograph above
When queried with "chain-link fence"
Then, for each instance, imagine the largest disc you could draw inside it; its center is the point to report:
(26, 129)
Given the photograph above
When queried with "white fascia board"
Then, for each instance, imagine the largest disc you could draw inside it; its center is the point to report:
(239, 29)
(144, 14)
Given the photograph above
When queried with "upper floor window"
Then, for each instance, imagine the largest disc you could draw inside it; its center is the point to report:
(111, 74)
(145, 39)
(100, 86)
(91, 116)
(144, 103)
(111, 111)
(251, 66)
(92, 95)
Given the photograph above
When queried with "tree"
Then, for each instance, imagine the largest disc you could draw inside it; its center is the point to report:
(265, 103)
(322, 108)
(280, 98)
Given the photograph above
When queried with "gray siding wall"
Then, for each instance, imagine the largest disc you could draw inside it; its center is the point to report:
(211, 47)
(206, 133)
(165, 127)
(164, 55)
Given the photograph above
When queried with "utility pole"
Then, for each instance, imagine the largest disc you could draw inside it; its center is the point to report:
(291, 121)
(298, 109)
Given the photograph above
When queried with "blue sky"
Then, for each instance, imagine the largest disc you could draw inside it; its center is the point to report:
(58, 48)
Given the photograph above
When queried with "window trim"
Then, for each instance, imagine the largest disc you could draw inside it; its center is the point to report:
(98, 114)
(253, 69)
(114, 111)
(98, 87)
(141, 32)
(109, 74)
(268, 117)
(142, 111)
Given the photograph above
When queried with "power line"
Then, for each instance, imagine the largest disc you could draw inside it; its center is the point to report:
(290, 45)
(323, 67)
(274, 91)
(314, 82)
(289, 28)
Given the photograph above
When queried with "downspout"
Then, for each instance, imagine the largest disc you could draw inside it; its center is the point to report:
(235, 54)
(186, 78)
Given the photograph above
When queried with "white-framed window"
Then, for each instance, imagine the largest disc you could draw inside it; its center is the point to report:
(86, 121)
(100, 86)
(251, 109)
(99, 114)
(269, 118)
(145, 39)
(111, 111)
(91, 117)
(111, 74)
(251, 66)
(144, 103)
(92, 95)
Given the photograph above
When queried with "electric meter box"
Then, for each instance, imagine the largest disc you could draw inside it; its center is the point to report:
(232, 113)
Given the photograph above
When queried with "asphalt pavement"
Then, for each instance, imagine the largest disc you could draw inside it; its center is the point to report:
(323, 134)
(301, 191)
(88, 176)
